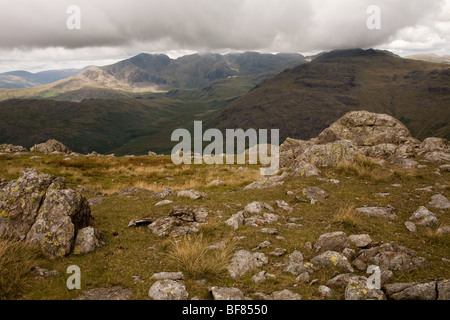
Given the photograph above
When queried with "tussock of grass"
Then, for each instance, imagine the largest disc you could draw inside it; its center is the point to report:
(192, 256)
(16, 261)
(348, 218)
(362, 167)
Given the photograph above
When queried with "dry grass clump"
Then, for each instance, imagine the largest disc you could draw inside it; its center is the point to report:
(348, 218)
(192, 256)
(363, 167)
(16, 261)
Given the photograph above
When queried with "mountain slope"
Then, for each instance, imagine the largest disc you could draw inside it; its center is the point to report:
(156, 73)
(430, 57)
(303, 101)
(24, 79)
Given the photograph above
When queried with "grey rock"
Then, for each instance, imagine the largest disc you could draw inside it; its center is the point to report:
(96, 201)
(315, 194)
(243, 262)
(296, 265)
(286, 295)
(166, 192)
(114, 293)
(259, 277)
(140, 222)
(379, 212)
(168, 276)
(278, 252)
(357, 290)
(221, 293)
(335, 241)
(168, 290)
(50, 146)
(360, 240)
(411, 291)
(410, 226)
(215, 183)
(426, 217)
(284, 205)
(163, 203)
(438, 201)
(182, 220)
(269, 231)
(326, 292)
(88, 240)
(236, 220)
(303, 277)
(341, 280)
(443, 230)
(192, 194)
(332, 259)
(266, 182)
(443, 289)
(257, 207)
(41, 273)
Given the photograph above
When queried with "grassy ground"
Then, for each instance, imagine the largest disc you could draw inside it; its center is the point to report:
(137, 252)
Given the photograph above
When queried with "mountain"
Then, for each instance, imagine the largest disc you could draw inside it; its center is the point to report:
(25, 79)
(159, 73)
(430, 57)
(303, 101)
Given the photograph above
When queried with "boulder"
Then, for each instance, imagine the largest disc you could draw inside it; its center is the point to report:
(181, 221)
(379, 212)
(332, 259)
(50, 146)
(438, 201)
(38, 209)
(257, 207)
(168, 290)
(331, 154)
(166, 192)
(236, 220)
(425, 217)
(192, 194)
(88, 240)
(360, 240)
(366, 129)
(357, 289)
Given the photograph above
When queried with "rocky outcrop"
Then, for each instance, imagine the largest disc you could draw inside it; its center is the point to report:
(50, 146)
(37, 208)
(359, 133)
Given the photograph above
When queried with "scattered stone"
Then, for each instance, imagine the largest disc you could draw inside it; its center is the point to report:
(360, 240)
(140, 222)
(137, 280)
(357, 290)
(286, 295)
(326, 292)
(335, 241)
(340, 281)
(181, 221)
(96, 201)
(259, 277)
(315, 194)
(192, 194)
(263, 244)
(443, 230)
(410, 226)
(295, 265)
(41, 273)
(438, 201)
(264, 183)
(284, 205)
(269, 231)
(278, 252)
(426, 217)
(350, 254)
(391, 256)
(168, 290)
(221, 293)
(163, 203)
(332, 259)
(257, 207)
(379, 212)
(236, 220)
(166, 192)
(88, 240)
(168, 276)
(303, 277)
(411, 291)
(114, 293)
(244, 261)
(215, 183)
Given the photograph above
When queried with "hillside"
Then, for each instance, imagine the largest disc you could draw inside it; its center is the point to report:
(24, 79)
(158, 73)
(430, 57)
(303, 101)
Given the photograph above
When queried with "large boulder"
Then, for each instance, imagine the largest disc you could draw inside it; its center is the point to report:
(50, 146)
(38, 209)
(244, 261)
(365, 128)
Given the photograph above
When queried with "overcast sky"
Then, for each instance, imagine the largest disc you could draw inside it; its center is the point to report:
(34, 34)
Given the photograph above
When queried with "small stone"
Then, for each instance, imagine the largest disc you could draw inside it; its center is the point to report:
(410, 226)
(326, 292)
(168, 290)
(221, 293)
(278, 252)
(360, 240)
(259, 277)
(163, 203)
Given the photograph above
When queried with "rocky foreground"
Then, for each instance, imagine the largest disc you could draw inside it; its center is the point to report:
(362, 196)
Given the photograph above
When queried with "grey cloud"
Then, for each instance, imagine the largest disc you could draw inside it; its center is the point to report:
(293, 25)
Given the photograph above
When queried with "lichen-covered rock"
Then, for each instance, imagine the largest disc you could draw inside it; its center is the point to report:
(50, 146)
(236, 220)
(438, 201)
(193, 194)
(425, 217)
(434, 144)
(331, 154)
(61, 215)
(38, 209)
(379, 212)
(266, 182)
(244, 261)
(360, 240)
(88, 240)
(20, 201)
(168, 290)
(286, 295)
(357, 289)
(257, 207)
(332, 259)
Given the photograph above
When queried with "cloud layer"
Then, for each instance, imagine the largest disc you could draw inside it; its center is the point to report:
(127, 27)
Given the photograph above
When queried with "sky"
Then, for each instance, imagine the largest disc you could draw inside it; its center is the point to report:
(38, 35)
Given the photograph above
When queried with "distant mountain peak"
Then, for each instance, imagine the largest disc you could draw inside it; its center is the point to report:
(351, 53)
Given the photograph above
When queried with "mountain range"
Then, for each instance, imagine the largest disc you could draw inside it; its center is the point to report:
(133, 106)
(25, 79)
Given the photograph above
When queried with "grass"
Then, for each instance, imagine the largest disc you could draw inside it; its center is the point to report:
(16, 262)
(137, 252)
(192, 256)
